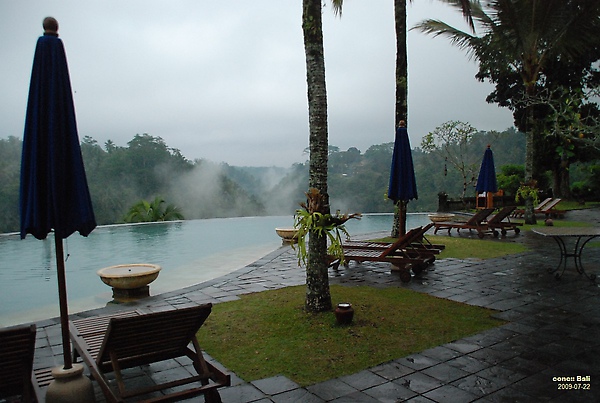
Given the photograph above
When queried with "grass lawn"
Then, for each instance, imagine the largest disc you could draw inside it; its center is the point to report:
(464, 248)
(476, 248)
(268, 333)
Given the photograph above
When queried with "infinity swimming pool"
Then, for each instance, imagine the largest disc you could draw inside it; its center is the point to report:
(190, 252)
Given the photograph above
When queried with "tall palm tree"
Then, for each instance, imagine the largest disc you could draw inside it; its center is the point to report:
(401, 110)
(402, 54)
(524, 35)
(318, 296)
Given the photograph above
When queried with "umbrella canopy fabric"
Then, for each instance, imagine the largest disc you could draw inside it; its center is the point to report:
(403, 186)
(486, 182)
(54, 192)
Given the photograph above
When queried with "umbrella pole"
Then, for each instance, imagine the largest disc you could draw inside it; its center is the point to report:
(62, 300)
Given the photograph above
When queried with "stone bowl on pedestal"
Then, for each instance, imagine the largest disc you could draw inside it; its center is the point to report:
(288, 235)
(129, 281)
(441, 217)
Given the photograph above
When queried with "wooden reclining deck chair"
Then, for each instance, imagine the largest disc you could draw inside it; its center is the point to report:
(496, 222)
(546, 207)
(419, 242)
(476, 222)
(113, 343)
(17, 378)
(397, 254)
(550, 210)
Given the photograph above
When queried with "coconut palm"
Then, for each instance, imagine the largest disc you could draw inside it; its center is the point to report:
(401, 110)
(522, 36)
(318, 296)
(402, 54)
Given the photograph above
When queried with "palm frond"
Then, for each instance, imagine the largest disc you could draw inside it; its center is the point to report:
(337, 7)
(466, 7)
(457, 37)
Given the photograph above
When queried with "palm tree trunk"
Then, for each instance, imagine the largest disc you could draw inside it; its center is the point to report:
(529, 157)
(529, 217)
(399, 225)
(401, 62)
(318, 296)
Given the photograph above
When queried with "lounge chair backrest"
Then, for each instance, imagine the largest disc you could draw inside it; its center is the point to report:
(418, 233)
(402, 241)
(151, 337)
(550, 205)
(480, 216)
(502, 214)
(543, 203)
(17, 346)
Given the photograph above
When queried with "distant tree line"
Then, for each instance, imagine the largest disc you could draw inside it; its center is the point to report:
(120, 178)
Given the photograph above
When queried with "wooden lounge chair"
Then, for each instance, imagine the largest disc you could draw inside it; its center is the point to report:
(399, 254)
(520, 212)
(550, 210)
(114, 343)
(476, 222)
(17, 378)
(497, 222)
(419, 241)
(546, 207)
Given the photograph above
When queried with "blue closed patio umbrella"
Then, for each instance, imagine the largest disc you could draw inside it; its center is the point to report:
(54, 194)
(486, 182)
(403, 185)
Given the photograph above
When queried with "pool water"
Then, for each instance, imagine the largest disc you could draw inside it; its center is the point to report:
(189, 252)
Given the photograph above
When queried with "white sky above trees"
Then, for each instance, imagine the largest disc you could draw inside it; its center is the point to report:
(226, 81)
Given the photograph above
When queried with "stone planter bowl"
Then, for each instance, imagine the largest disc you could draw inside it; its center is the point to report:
(441, 217)
(287, 234)
(129, 276)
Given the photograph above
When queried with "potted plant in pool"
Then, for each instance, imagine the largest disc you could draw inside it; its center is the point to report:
(308, 219)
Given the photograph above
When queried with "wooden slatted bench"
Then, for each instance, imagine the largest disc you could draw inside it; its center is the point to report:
(112, 343)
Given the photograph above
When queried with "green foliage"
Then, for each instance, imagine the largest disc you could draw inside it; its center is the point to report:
(453, 142)
(357, 181)
(544, 70)
(144, 211)
(308, 220)
(118, 177)
(322, 225)
(527, 191)
(10, 168)
(588, 185)
(510, 178)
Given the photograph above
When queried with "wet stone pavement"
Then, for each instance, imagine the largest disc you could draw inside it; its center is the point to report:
(553, 330)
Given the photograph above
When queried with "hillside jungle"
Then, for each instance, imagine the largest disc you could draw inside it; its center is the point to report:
(147, 168)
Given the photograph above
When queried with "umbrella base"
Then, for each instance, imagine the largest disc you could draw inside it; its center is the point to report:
(70, 386)
(128, 294)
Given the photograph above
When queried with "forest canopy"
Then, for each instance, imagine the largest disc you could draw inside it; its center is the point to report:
(147, 168)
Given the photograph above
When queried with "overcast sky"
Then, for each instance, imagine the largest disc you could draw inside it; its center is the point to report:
(226, 81)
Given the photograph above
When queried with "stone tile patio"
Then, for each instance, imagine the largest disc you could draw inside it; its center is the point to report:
(553, 330)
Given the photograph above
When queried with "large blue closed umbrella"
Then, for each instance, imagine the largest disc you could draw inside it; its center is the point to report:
(54, 193)
(486, 182)
(403, 185)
